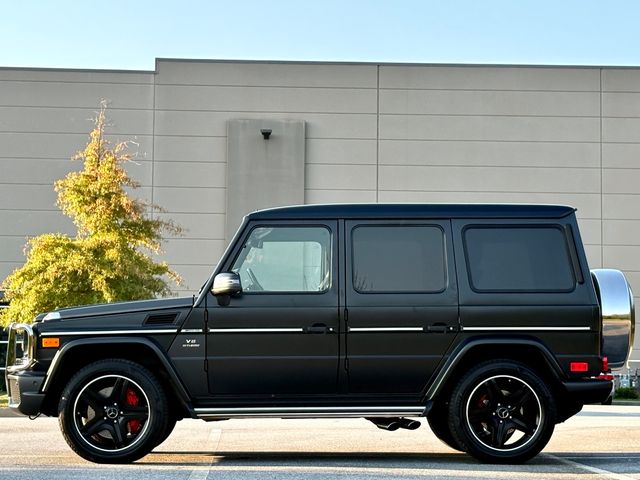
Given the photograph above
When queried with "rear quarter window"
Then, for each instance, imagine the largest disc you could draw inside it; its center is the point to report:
(518, 259)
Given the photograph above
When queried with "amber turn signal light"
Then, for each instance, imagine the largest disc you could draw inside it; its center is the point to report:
(52, 342)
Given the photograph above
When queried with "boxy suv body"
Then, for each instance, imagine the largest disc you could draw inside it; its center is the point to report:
(485, 319)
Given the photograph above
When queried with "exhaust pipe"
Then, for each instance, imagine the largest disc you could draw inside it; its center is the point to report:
(391, 424)
(409, 424)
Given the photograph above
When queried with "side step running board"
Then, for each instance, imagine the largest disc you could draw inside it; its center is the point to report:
(309, 412)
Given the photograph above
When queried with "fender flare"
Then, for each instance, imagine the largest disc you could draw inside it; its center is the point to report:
(177, 385)
(458, 354)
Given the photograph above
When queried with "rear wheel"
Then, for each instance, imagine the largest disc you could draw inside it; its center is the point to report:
(502, 412)
(113, 411)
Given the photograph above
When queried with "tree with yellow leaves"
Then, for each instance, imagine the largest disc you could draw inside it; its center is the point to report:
(110, 259)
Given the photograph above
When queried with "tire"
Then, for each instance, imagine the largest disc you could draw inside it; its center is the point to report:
(113, 411)
(171, 424)
(439, 423)
(502, 412)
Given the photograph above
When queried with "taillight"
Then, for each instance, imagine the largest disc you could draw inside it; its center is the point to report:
(605, 364)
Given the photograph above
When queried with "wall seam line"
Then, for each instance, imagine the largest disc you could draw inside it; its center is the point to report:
(601, 183)
(377, 133)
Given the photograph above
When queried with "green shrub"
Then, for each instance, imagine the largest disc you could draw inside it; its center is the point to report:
(627, 393)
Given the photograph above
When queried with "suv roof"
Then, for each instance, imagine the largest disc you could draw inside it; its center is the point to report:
(412, 210)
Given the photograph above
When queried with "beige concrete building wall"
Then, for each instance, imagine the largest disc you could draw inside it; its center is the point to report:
(45, 117)
(194, 102)
(388, 133)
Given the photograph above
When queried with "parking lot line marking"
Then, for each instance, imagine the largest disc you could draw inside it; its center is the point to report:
(203, 472)
(599, 471)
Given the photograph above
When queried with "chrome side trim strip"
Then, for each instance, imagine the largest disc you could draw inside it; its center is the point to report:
(108, 332)
(256, 330)
(192, 330)
(525, 329)
(386, 329)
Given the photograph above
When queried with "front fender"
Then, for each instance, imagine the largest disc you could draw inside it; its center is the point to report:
(58, 359)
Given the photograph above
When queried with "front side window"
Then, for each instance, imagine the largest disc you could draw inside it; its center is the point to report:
(285, 259)
(398, 259)
(518, 259)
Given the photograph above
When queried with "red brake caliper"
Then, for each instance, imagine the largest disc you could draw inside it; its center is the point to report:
(132, 400)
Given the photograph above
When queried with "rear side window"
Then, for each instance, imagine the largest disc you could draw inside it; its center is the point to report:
(518, 259)
(398, 259)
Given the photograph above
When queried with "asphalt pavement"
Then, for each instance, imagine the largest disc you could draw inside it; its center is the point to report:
(602, 442)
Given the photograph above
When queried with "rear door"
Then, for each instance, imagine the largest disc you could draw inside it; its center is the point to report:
(401, 304)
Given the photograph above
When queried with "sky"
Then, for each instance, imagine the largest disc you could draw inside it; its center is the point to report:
(131, 34)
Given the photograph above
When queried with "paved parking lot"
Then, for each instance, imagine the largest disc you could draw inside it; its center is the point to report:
(600, 443)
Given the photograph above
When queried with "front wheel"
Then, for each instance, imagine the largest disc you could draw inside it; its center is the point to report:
(502, 412)
(113, 411)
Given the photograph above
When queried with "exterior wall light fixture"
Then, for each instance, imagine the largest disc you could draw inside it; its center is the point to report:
(266, 133)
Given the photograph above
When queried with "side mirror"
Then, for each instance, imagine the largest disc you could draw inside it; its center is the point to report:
(226, 285)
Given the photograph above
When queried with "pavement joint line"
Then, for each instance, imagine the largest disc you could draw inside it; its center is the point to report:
(599, 471)
(202, 473)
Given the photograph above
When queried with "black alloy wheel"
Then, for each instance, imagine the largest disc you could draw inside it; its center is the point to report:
(113, 411)
(502, 412)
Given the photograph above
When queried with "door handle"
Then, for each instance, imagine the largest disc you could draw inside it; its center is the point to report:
(436, 328)
(317, 328)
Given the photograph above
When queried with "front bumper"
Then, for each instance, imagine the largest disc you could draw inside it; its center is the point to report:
(24, 390)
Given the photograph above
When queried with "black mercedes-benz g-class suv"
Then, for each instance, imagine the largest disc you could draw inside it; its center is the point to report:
(485, 319)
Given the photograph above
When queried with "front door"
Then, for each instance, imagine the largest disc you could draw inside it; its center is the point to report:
(402, 304)
(280, 337)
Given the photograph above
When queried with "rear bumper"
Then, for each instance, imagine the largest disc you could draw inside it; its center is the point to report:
(24, 390)
(592, 390)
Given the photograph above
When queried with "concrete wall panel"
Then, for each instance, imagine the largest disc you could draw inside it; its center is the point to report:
(27, 197)
(35, 222)
(442, 127)
(75, 76)
(190, 174)
(190, 200)
(74, 120)
(66, 95)
(621, 155)
(620, 80)
(278, 74)
(489, 78)
(35, 171)
(341, 177)
(477, 153)
(622, 257)
(497, 102)
(190, 149)
(500, 179)
(621, 104)
(621, 180)
(339, 196)
(266, 99)
(214, 124)
(621, 207)
(621, 130)
(341, 151)
(621, 232)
